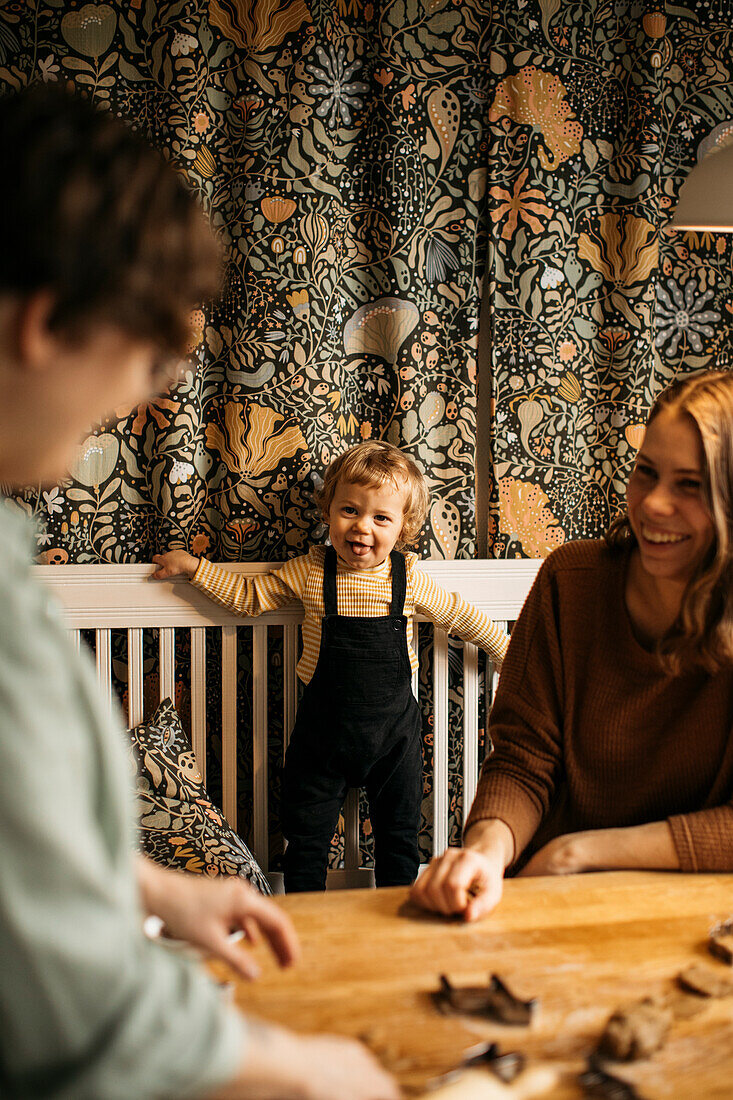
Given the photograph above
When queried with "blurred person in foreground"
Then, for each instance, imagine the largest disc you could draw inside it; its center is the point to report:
(104, 255)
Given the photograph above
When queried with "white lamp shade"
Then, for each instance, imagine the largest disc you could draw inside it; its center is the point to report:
(706, 197)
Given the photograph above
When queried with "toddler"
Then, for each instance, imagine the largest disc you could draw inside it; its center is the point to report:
(358, 723)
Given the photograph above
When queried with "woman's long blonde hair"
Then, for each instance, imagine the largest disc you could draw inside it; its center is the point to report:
(702, 634)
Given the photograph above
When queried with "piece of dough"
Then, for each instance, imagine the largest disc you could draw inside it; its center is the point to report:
(480, 1084)
(636, 1030)
(720, 942)
(705, 982)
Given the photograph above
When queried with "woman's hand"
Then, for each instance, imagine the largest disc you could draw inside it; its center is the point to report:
(470, 880)
(204, 912)
(174, 563)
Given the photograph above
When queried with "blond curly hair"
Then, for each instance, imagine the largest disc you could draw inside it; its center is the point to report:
(372, 464)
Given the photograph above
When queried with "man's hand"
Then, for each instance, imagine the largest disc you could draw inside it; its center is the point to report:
(174, 563)
(470, 880)
(279, 1065)
(342, 1069)
(204, 912)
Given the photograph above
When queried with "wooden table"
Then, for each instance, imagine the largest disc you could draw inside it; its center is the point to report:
(582, 944)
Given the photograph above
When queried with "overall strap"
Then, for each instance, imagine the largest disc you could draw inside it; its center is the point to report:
(399, 583)
(330, 599)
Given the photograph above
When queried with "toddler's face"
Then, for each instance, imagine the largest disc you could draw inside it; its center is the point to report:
(366, 521)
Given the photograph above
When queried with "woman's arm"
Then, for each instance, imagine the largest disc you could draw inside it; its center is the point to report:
(517, 782)
(700, 841)
(468, 880)
(518, 779)
(637, 847)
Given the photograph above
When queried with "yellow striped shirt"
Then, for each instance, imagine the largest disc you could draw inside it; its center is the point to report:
(359, 592)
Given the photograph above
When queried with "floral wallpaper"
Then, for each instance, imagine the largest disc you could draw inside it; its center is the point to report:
(373, 168)
(340, 151)
(353, 157)
(597, 112)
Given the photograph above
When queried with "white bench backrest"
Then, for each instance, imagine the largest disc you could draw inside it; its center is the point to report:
(107, 597)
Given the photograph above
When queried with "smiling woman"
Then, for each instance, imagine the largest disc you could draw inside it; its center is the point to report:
(680, 516)
(612, 721)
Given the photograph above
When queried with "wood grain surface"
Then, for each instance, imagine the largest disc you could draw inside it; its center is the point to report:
(583, 945)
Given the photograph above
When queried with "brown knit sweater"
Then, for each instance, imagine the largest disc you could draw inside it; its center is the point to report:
(590, 733)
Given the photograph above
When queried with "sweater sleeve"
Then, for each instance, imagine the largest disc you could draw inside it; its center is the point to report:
(448, 611)
(252, 596)
(518, 780)
(704, 840)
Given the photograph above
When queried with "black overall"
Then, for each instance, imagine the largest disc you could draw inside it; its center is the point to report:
(358, 725)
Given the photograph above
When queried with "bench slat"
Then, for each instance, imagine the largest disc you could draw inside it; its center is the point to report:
(259, 745)
(104, 663)
(135, 679)
(229, 723)
(470, 725)
(198, 697)
(290, 680)
(440, 742)
(167, 649)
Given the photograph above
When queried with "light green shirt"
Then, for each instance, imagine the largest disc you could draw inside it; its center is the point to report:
(90, 1009)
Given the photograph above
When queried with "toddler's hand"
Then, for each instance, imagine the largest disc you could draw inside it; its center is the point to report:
(174, 563)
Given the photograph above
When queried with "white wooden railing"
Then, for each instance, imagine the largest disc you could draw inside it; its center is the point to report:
(103, 598)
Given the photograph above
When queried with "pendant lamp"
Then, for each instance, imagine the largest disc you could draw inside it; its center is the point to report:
(706, 197)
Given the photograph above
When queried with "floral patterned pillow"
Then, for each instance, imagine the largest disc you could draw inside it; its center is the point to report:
(164, 756)
(179, 825)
